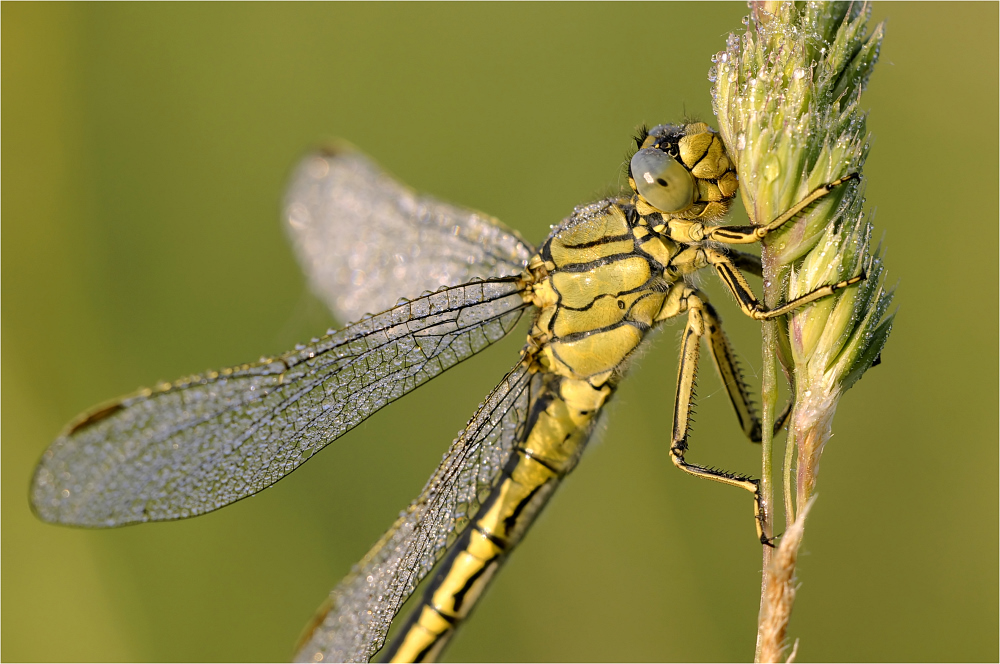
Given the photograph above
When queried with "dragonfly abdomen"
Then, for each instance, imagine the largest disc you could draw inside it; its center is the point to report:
(561, 421)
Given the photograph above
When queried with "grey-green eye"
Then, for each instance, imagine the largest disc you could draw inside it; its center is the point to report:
(664, 183)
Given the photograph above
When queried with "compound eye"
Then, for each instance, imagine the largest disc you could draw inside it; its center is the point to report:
(664, 183)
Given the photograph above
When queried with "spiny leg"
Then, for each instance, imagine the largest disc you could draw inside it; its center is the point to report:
(748, 263)
(726, 362)
(751, 234)
(749, 303)
(696, 328)
(729, 371)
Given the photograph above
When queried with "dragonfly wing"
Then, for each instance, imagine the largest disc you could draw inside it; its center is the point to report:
(203, 442)
(364, 239)
(363, 605)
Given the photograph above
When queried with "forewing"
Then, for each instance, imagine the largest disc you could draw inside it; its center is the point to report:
(363, 605)
(203, 442)
(364, 239)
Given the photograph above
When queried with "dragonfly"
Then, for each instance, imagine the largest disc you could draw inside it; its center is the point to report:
(593, 290)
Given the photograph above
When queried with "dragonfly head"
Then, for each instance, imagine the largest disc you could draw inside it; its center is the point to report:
(683, 171)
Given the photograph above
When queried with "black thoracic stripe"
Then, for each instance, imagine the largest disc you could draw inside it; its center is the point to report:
(459, 597)
(640, 299)
(586, 267)
(511, 520)
(648, 286)
(670, 259)
(596, 243)
(576, 336)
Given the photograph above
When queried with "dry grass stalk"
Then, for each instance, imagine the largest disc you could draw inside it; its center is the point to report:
(779, 591)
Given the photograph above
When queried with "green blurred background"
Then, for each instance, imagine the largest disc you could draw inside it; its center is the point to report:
(145, 150)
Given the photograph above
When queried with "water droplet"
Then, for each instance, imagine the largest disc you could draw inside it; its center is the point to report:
(798, 73)
(772, 168)
(741, 141)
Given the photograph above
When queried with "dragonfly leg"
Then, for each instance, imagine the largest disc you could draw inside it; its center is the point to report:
(728, 367)
(726, 362)
(751, 234)
(702, 322)
(749, 304)
(748, 263)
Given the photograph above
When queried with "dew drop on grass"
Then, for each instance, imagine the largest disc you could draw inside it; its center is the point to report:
(772, 168)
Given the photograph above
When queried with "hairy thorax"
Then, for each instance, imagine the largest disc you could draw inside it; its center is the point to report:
(599, 283)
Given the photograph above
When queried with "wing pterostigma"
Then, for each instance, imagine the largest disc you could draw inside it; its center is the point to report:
(199, 443)
(353, 625)
(364, 239)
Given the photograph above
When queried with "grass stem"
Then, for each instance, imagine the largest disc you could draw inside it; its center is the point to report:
(786, 93)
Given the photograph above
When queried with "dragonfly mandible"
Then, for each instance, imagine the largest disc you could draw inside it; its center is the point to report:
(607, 275)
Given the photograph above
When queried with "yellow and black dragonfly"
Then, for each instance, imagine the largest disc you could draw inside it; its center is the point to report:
(604, 278)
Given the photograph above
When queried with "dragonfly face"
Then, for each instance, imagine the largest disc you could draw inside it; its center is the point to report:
(682, 171)
(604, 277)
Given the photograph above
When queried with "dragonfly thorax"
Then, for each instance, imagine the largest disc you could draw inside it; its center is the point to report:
(604, 277)
(600, 281)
